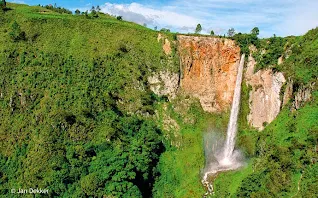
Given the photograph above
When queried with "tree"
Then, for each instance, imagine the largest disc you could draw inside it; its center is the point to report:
(145, 25)
(156, 28)
(165, 30)
(255, 31)
(231, 32)
(98, 8)
(212, 33)
(93, 12)
(198, 29)
(3, 4)
(77, 12)
(251, 184)
(120, 18)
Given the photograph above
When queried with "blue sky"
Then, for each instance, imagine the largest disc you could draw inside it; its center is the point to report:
(280, 17)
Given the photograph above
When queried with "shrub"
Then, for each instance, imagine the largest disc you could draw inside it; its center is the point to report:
(16, 34)
(3, 4)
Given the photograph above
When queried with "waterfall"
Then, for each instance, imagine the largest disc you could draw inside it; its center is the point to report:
(227, 158)
(232, 126)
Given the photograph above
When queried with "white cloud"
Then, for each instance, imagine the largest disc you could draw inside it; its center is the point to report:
(284, 17)
(17, 1)
(156, 17)
(299, 19)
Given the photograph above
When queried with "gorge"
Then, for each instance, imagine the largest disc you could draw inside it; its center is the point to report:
(96, 106)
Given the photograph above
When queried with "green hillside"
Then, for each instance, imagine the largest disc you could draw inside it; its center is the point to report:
(74, 96)
(78, 116)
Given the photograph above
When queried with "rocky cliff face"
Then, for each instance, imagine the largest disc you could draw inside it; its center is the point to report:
(164, 83)
(264, 100)
(209, 69)
(299, 96)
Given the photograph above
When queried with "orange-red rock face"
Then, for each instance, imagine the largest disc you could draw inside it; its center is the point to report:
(209, 69)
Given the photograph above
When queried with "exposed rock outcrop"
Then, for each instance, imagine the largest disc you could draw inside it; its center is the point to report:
(280, 60)
(159, 37)
(164, 83)
(299, 96)
(302, 95)
(209, 69)
(264, 99)
(166, 45)
(288, 93)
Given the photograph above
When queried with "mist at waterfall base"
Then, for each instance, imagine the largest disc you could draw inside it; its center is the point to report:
(214, 155)
(221, 155)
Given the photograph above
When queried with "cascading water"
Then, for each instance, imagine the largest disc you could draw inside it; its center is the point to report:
(227, 158)
(232, 126)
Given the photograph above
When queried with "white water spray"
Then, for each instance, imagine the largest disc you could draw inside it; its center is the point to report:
(228, 158)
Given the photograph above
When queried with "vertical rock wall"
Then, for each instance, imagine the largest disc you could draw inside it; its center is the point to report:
(264, 98)
(209, 69)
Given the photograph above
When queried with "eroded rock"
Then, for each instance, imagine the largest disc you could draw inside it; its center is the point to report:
(164, 83)
(167, 47)
(209, 69)
(302, 95)
(264, 98)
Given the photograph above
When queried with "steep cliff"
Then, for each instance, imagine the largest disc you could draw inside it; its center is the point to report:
(264, 99)
(208, 70)
(299, 96)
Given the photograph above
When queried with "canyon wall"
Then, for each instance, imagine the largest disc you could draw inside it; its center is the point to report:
(208, 70)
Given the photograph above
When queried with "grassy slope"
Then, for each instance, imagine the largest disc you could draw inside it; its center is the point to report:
(70, 83)
(77, 36)
(74, 66)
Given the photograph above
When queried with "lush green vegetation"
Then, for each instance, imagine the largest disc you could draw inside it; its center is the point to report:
(301, 62)
(58, 9)
(78, 116)
(181, 165)
(270, 50)
(298, 54)
(245, 40)
(284, 151)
